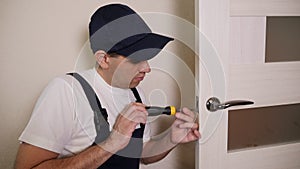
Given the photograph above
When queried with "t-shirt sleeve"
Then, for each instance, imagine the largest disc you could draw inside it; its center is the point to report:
(50, 125)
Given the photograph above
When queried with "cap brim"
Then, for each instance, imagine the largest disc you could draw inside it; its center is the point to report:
(145, 48)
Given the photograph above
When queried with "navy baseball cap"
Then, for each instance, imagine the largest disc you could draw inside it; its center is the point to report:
(116, 28)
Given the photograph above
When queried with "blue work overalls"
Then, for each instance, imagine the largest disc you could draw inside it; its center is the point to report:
(127, 158)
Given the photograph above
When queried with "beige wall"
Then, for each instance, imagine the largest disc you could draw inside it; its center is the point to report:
(43, 39)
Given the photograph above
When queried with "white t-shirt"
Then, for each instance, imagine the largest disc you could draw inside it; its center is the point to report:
(63, 121)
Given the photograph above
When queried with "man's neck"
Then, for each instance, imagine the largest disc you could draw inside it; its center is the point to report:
(104, 76)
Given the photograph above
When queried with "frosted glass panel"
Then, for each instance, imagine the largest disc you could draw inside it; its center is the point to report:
(283, 38)
(263, 126)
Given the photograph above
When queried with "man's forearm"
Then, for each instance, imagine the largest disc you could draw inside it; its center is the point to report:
(92, 157)
(157, 148)
(153, 159)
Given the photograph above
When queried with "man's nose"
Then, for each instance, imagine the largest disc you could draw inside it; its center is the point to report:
(145, 67)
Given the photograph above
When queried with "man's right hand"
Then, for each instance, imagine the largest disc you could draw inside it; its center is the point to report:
(125, 124)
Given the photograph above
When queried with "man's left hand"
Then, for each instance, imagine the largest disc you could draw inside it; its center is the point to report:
(185, 127)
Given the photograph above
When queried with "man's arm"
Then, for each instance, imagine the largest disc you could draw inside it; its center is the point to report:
(183, 130)
(157, 149)
(30, 156)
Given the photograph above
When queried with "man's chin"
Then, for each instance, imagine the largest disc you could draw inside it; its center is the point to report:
(134, 84)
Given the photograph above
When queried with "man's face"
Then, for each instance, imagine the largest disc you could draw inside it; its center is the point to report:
(128, 74)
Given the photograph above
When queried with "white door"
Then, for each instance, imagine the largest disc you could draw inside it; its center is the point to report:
(232, 66)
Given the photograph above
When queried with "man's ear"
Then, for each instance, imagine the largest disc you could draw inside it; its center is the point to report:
(102, 59)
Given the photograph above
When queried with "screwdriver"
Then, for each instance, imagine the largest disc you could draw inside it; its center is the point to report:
(155, 111)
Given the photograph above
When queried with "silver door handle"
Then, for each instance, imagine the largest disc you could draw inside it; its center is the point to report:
(214, 104)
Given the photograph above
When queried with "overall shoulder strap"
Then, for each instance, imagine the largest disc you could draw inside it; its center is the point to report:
(138, 99)
(89, 91)
(100, 114)
(136, 95)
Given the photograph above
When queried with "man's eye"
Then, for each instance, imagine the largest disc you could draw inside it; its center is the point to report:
(133, 61)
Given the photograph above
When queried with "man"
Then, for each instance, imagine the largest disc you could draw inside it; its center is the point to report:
(72, 127)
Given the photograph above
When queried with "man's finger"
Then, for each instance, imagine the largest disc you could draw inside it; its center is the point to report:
(184, 117)
(188, 126)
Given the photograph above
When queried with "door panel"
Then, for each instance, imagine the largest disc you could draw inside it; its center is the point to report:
(247, 36)
(263, 126)
(282, 39)
(267, 84)
(276, 157)
(264, 7)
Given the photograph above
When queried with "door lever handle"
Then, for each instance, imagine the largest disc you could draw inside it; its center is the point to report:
(214, 104)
